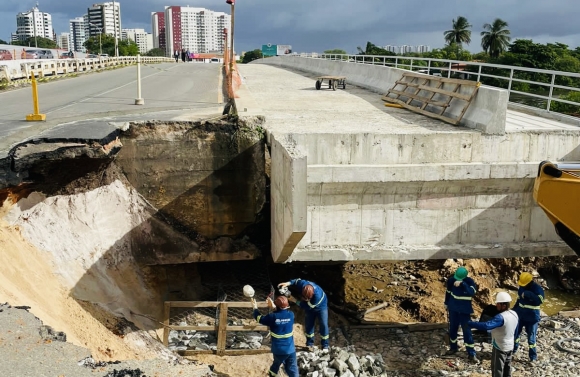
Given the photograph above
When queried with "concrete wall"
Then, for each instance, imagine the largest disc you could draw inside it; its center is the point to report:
(288, 194)
(486, 113)
(22, 69)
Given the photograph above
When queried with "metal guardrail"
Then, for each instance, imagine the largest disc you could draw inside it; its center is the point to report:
(507, 75)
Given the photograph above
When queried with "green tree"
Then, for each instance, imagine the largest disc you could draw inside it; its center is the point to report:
(155, 52)
(459, 33)
(39, 42)
(565, 107)
(127, 48)
(336, 51)
(251, 56)
(495, 38)
(3, 42)
(372, 49)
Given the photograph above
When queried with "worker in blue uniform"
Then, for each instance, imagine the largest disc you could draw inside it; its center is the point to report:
(314, 302)
(530, 298)
(281, 324)
(460, 291)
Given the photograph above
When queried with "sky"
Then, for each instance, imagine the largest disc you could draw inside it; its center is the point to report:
(318, 25)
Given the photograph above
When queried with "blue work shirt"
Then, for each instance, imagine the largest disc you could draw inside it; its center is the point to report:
(528, 306)
(281, 324)
(318, 300)
(458, 299)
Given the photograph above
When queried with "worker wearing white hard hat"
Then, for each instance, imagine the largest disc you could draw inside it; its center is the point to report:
(503, 329)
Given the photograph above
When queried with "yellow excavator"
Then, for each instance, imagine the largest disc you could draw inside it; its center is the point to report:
(554, 190)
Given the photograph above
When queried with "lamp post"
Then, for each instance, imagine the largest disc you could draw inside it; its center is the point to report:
(233, 4)
(115, 13)
(100, 34)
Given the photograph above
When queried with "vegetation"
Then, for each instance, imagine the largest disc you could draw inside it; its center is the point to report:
(155, 52)
(39, 42)
(251, 56)
(459, 33)
(3, 42)
(126, 48)
(495, 38)
(565, 107)
(336, 51)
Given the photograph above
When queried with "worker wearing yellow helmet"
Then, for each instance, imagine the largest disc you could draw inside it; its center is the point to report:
(530, 298)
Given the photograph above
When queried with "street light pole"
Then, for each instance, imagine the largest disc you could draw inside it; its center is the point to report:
(100, 35)
(232, 37)
(115, 27)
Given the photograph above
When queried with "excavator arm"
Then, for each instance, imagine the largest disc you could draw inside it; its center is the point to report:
(557, 192)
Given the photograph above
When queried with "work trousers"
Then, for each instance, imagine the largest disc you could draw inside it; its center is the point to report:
(501, 363)
(532, 331)
(289, 362)
(457, 319)
(311, 316)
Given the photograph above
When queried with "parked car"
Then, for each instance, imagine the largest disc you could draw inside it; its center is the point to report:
(104, 55)
(45, 54)
(92, 56)
(433, 72)
(5, 55)
(32, 54)
(67, 55)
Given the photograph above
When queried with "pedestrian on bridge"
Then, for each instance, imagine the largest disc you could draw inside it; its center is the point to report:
(460, 291)
(313, 300)
(530, 298)
(281, 324)
(503, 328)
(176, 56)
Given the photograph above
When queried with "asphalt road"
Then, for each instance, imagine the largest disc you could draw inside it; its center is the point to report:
(109, 94)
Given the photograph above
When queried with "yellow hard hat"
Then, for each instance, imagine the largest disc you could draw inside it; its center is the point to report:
(525, 279)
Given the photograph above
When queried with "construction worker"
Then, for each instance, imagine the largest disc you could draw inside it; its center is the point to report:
(281, 324)
(530, 297)
(503, 328)
(314, 302)
(460, 290)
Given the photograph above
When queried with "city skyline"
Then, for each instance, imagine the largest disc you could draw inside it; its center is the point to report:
(412, 23)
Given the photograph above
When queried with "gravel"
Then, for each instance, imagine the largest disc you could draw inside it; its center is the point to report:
(24, 352)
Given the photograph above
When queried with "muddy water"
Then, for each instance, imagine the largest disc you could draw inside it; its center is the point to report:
(556, 301)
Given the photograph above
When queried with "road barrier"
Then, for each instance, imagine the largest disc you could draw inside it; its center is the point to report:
(23, 69)
(36, 115)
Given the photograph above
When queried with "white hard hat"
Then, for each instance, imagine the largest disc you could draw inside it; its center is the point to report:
(503, 297)
(248, 291)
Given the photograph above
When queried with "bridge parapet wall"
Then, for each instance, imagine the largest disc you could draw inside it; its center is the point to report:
(22, 69)
(486, 113)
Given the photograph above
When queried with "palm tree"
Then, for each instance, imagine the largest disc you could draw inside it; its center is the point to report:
(460, 32)
(495, 38)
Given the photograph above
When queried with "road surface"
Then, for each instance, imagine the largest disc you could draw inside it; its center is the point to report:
(110, 94)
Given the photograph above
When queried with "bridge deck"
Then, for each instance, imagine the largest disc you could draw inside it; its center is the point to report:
(292, 105)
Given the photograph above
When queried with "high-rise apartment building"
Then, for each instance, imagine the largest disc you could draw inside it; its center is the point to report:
(158, 29)
(33, 23)
(143, 39)
(78, 34)
(104, 18)
(63, 41)
(198, 30)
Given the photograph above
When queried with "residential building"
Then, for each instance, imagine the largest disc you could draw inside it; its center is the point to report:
(63, 41)
(33, 23)
(198, 30)
(143, 39)
(158, 29)
(78, 34)
(422, 49)
(104, 18)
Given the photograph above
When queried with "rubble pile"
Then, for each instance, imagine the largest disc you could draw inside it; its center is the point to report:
(339, 362)
(192, 340)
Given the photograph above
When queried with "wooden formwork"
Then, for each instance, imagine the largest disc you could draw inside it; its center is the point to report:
(423, 90)
(221, 328)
